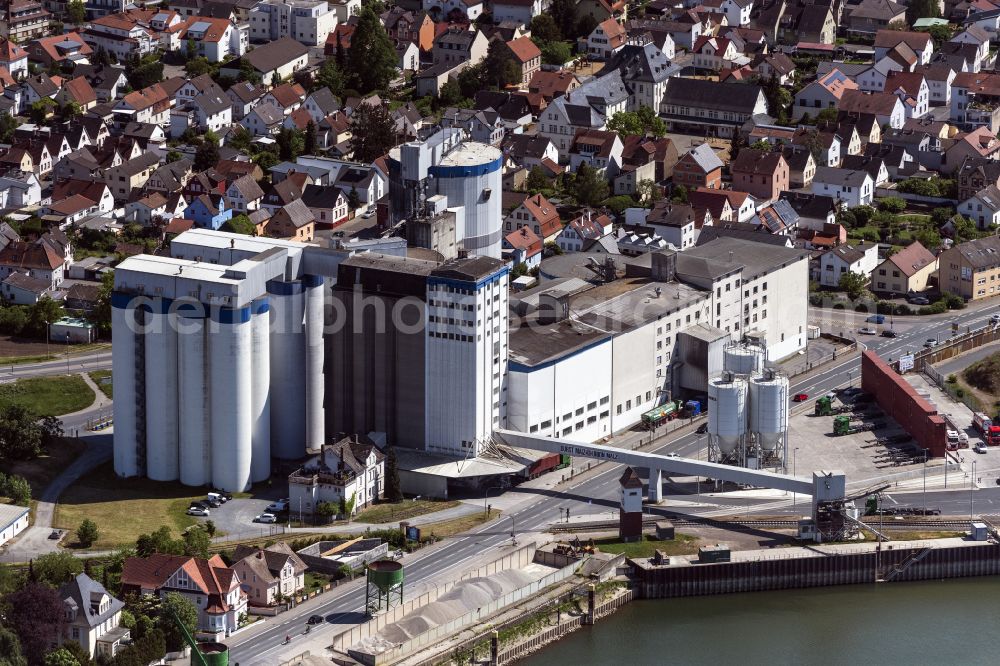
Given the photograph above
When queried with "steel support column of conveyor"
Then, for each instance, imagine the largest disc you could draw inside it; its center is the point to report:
(825, 486)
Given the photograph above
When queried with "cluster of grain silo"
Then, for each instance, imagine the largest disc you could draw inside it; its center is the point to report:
(748, 410)
(217, 368)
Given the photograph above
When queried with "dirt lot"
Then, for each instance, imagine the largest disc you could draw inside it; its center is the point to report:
(19, 347)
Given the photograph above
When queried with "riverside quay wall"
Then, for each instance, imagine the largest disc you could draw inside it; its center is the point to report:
(897, 562)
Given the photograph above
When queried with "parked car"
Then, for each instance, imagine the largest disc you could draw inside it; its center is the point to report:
(266, 518)
(800, 397)
(867, 330)
(702, 429)
(277, 507)
(197, 511)
(55, 534)
(368, 214)
(876, 319)
(931, 342)
(315, 619)
(888, 333)
(918, 300)
(981, 447)
(995, 319)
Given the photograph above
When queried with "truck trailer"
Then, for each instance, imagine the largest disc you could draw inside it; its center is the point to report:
(989, 430)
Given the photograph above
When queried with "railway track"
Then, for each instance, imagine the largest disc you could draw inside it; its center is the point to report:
(764, 523)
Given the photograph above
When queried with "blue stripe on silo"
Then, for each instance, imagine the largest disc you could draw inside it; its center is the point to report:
(282, 288)
(191, 309)
(312, 280)
(465, 171)
(156, 304)
(231, 315)
(260, 306)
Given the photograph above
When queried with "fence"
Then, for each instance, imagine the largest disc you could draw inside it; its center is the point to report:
(248, 535)
(963, 342)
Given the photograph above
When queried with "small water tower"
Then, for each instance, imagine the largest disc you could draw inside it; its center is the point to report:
(385, 585)
(630, 513)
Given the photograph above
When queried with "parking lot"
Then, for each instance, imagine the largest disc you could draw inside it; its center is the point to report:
(236, 516)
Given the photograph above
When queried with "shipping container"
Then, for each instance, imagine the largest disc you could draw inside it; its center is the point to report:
(544, 464)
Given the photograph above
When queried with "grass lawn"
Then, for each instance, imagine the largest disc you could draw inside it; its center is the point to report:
(387, 513)
(447, 528)
(103, 380)
(315, 581)
(682, 544)
(124, 508)
(49, 396)
(40, 471)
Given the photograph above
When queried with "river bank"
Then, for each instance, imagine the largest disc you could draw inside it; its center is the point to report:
(913, 623)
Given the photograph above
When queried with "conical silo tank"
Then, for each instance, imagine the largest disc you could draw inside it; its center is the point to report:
(162, 455)
(743, 359)
(124, 330)
(727, 411)
(769, 409)
(194, 442)
(230, 377)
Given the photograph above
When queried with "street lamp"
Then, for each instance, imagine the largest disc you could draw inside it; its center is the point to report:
(486, 508)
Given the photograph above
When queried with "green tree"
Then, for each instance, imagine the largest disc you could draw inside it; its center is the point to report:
(87, 533)
(892, 204)
(44, 312)
(537, 181)
(451, 93)
(100, 316)
(351, 503)
(56, 568)
(60, 657)
(556, 53)
(36, 614)
(326, 511)
(939, 34)
(965, 229)
(372, 57)
(174, 605)
(564, 13)
(625, 123)
(353, 199)
(853, 284)
(918, 9)
(240, 224)
(20, 436)
(8, 124)
(197, 66)
(159, 541)
(10, 649)
(145, 71)
(207, 155)
(16, 488)
(544, 29)
(680, 194)
(342, 506)
(309, 139)
(331, 77)
(648, 192)
(393, 488)
(197, 542)
(373, 132)
(589, 187)
(80, 656)
(290, 143)
(191, 49)
(42, 109)
(76, 11)
(497, 70)
(173, 156)
(210, 528)
(249, 73)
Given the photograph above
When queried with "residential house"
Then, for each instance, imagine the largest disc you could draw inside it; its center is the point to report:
(321, 104)
(777, 65)
(699, 167)
(605, 39)
(716, 53)
(971, 269)
(825, 92)
(886, 107)
(724, 205)
(801, 165)
(131, 175)
(814, 210)
(974, 174)
(274, 61)
(215, 39)
(125, 35)
(587, 107)
(269, 574)
(466, 11)
(833, 264)
(678, 224)
(522, 246)
(644, 69)
(527, 57)
(244, 96)
(920, 42)
(907, 271)
(212, 587)
(288, 97)
(458, 45)
(975, 101)
(483, 126)
(93, 617)
(718, 107)
(851, 187)
(13, 58)
(403, 25)
(876, 167)
(599, 149)
(308, 22)
(155, 208)
(36, 259)
(244, 194)
(209, 212)
(870, 16)
(210, 111)
(264, 120)
(293, 221)
(976, 36)
(530, 150)
(67, 48)
(939, 76)
(22, 289)
(537, 213)
(638, 151)
(582, 230)
(352, 467)
(762, 174)
(518, 11)
(980, 142)
(912, 90)
(328, 205)
(552, 84)
(983, 208)
(24, 19)
(149, 105)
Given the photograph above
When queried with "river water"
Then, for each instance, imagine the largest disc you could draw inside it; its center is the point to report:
(941, 623)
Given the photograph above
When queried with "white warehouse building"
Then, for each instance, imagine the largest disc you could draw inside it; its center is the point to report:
(218, 359)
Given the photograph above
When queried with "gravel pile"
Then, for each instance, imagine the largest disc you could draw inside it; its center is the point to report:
(465, 597)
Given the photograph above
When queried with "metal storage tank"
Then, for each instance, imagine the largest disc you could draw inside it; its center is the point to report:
(162, 460)
(470, 176)
(260, 392)
(230, 378)
(727, 411)
(314, 351)
(193, 400)
(288, 359)
(769, 409)
(743, 359)
(123, 371)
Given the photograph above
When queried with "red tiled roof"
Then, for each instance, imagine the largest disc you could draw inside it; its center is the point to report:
(524, 49)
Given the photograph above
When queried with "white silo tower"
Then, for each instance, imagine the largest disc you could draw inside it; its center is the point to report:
(769, 411)
(124, 330)
(162, 458)
(314, 354)
(727, 414)
(260, 393)
(193, 400)
(230, 375)
(288, 358)
(743, 359)
(470, 175)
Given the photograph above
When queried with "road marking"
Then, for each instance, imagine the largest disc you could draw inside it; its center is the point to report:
(890, 498)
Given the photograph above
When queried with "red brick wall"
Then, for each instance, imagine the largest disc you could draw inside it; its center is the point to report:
(900, 401)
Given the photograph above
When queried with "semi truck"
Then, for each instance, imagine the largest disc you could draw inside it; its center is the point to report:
(545, 464)
(987, 428)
